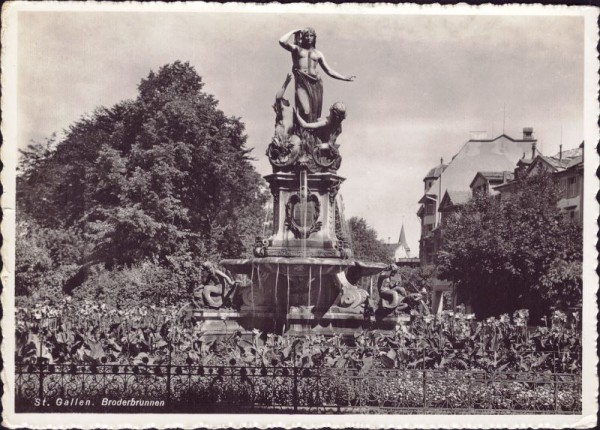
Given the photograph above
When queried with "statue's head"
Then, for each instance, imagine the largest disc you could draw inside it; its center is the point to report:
(309, 38)
(337, 111)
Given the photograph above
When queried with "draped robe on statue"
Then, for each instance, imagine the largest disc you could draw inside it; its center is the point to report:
(313, 85)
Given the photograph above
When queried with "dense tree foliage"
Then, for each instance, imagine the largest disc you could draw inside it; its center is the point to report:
(146, 187)
(416, 279)
(517, 251)
(365, 244)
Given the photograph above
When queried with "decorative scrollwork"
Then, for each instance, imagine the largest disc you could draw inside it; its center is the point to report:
(283, 151)
(299, 231)
(333, 190)
(351, 298)
(303, 149)
(326, 155)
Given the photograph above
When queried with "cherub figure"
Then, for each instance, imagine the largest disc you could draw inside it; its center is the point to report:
(326, 129)
(284, 118)
(216, 289)
(391, 293)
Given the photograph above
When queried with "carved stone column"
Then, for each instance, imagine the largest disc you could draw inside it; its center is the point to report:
(304, 229)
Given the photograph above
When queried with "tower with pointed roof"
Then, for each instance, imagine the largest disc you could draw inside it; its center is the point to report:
(402, 255)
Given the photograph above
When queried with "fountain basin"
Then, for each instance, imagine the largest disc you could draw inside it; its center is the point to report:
(302, 265)
(297, 295)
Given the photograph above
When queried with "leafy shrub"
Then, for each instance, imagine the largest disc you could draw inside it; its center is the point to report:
(88, 332)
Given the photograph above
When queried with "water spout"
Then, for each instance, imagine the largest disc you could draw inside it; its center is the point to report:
(287, 314)
(252, 292)
(309, 282)
(276, 292)
(304, 206)
(320, 285)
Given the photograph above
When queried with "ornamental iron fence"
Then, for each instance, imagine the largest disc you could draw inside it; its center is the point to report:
(190, 388)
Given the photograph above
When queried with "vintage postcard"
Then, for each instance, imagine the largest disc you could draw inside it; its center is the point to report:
(227, 215)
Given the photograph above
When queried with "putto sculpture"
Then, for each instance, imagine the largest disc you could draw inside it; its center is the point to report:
(393, 296)
(216, 289)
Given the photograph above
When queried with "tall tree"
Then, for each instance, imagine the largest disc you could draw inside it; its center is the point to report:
(165, 175)
(519, 251)
(365, 244)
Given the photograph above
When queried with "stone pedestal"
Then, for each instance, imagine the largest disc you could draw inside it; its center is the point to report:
(304, 220)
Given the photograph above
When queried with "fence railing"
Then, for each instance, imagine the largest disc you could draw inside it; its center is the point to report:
(276, 389)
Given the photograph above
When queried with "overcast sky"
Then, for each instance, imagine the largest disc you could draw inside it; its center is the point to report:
(423, 83)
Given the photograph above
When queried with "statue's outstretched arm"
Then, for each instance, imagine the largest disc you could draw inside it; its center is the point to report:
(311, 125)
(285, 43)
(332, 72)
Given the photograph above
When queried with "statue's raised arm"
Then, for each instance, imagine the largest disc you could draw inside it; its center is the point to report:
(285, 43)
(305, 61)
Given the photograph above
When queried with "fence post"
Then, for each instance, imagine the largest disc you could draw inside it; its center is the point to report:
(41, 389)
(424, 380)
(555, 380)
(295, 393)
(42, 339)
(169, 378)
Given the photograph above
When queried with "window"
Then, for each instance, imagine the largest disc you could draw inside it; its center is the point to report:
(481, 189)
(429, 208)
(571, 213)
(572, 187)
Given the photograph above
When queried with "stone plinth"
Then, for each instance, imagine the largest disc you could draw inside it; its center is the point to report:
(300, 320)
(304, 220)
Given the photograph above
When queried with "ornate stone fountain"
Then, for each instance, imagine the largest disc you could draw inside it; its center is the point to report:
(302, 278)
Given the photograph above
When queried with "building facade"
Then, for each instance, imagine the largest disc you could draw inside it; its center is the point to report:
(481, 164)
(453, 181)
(566, 167)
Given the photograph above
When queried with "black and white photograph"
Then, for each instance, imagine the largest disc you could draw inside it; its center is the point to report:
(299, 215)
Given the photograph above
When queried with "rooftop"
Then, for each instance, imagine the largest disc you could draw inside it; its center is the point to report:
(569, 158)
(459, 197)
(453, 198)
(497, 175)
(435, 172)
(493, 155)
(503, 176)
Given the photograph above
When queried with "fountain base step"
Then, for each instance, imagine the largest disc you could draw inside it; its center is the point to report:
(299, 321)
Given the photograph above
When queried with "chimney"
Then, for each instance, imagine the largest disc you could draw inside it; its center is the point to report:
(528, 133)
(560, 153)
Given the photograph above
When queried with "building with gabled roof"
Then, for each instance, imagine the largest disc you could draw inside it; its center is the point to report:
(484, 182)
(567, 167)
(476, 155)
(449, 186)
(451, 201)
